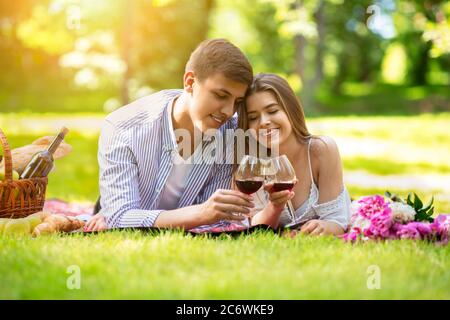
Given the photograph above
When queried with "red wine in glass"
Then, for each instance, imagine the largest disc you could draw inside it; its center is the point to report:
(249, 186)
(249, 178)
(281, 186)
(282, 174)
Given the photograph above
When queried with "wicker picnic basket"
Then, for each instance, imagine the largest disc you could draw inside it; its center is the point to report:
(19, 198)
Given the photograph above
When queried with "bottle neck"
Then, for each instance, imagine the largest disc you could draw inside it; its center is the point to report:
(55, 143)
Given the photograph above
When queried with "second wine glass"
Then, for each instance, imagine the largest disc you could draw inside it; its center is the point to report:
(282, 175)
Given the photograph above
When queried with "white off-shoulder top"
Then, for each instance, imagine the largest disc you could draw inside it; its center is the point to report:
(337, 210)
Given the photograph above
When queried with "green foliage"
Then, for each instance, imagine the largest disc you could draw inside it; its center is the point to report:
(393, 197)
(165, 37)
(152, 39)
(421, 28)
(259, 36)
(319, 46)
(170, 265)
(423, 212)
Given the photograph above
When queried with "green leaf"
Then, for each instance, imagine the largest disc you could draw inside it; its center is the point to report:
(422, 216)
(388, 194)
(417, 202)
(429, 204)
(408, 200)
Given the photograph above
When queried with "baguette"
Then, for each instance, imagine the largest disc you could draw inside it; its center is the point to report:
(21, 156)
(57, 223)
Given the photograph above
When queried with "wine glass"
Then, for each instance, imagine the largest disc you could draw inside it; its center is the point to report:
(282, 174)
(249, 176)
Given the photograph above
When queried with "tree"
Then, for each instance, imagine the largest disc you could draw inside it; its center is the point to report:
(413, 18)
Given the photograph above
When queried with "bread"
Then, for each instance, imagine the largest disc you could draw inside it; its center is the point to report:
(57, 223)
(44, 228)
(21, 156)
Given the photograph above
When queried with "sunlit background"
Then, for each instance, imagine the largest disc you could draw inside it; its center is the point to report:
(375, 75)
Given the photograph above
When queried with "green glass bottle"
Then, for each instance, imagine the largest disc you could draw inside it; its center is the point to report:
(42, 162)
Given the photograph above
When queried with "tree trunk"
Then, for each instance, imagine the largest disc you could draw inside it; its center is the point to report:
(342, 73)
(364, 69)
(299, 67)
(209, 6)
(421, 65)
(299, 47)
(126, 43)
(319, 17)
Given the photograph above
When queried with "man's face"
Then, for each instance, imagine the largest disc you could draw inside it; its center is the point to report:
(214, 101)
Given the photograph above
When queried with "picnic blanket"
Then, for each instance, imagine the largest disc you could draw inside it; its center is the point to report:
(68, 208)
(84, 211)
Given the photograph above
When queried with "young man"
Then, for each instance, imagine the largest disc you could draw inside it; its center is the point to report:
(145, 179)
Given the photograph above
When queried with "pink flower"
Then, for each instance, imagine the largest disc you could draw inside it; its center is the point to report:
(441, 227)
(380, 226)
(414, 230)
(408, 232)
(373, 218)
(370, 206)
(376, 214)
(424, 228)
(353, 235)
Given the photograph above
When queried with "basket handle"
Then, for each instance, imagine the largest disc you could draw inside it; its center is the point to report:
(7, 156)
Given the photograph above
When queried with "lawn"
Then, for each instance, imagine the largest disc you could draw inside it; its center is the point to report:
(262, 265)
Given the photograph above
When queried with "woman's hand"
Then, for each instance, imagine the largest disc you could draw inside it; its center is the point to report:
(321, 228)
(270, 215)
(278, 199)
(97, 223)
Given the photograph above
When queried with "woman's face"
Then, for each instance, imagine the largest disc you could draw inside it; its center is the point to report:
(268, 119)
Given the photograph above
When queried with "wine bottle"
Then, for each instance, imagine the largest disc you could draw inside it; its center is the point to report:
(42, 162)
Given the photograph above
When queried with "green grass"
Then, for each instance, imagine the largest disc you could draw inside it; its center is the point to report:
(381, 99)
(387, 166)
(424, 130)
(59, 98)
(171, 265)
(260, 266)
(355, 98)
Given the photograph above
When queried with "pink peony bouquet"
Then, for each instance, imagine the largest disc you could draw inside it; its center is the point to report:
(378, 218)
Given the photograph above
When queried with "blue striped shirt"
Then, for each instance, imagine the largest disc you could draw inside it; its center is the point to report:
(135, 159)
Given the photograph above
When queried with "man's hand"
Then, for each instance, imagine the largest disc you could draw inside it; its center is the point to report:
(97, 223)
(225, 205)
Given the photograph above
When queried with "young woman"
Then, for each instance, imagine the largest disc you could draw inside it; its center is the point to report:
(319, 196)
